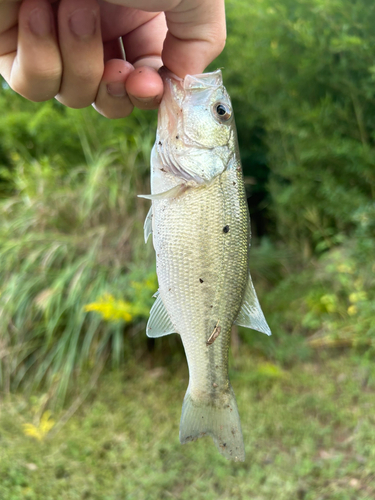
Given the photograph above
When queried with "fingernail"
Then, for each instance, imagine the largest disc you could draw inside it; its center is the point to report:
(40, 22)
(148, 101)
(83, 23)
(116, 89)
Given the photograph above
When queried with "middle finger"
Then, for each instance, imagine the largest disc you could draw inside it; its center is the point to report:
(81, 50)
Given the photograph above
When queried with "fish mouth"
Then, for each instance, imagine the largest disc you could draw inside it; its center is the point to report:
(166, 74)
(175, 91)
(190, 82)
(170, 106)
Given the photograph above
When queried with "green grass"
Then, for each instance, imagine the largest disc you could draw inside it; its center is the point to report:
(308, 431)
(68, 236)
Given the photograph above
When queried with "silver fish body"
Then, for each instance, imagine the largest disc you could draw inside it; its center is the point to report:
(201, 234)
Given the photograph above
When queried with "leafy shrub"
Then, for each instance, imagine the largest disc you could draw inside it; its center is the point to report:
(68, 236)
(301, 75)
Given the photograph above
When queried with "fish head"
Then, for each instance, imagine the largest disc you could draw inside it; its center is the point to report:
(196, 137)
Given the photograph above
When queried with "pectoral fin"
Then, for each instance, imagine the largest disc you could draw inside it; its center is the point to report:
(159, 323)
(171, 193)
(147, 227)
(251, 315)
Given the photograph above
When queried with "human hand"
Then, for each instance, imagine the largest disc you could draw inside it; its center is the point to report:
(71, 50)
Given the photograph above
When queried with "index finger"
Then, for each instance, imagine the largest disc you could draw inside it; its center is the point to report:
(196, 31)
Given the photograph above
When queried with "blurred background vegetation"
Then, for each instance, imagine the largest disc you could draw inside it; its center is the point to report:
(76, 279)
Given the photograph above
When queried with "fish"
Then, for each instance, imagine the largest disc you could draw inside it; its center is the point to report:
(200, 226)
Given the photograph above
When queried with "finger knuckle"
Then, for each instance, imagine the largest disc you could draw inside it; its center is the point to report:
(218, 39)
(88, 74)
(43, 74)
(46, 96)
(113, 113)
(34, 90)
(75, 103)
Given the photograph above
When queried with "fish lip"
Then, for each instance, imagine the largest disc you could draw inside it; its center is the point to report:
(165, 73)
(169, 116)
(213, 79)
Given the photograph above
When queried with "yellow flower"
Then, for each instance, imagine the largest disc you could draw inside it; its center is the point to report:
(330, 302)
(357, 297)
(15, 157)
(39, 432)
(151, 283)
(345, 268)
(352, 310)
(270, 370)
(111, 309)
(147, 284)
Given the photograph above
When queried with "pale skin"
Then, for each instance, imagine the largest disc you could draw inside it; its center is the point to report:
(69, 49)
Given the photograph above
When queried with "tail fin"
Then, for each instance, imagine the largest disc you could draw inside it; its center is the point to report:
(219, 419)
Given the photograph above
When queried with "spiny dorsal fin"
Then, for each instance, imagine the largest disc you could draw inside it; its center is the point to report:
(251, 315)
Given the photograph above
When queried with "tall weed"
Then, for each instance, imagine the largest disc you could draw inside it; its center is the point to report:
(67, 237)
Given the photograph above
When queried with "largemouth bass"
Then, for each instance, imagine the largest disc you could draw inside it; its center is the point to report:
(200, 226)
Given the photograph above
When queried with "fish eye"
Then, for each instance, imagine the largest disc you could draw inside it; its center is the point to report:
(222, 111)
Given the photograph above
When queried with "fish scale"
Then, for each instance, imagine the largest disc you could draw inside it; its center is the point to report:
(201, 234)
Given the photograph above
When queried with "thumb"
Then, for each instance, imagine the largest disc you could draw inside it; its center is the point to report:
(196, 35)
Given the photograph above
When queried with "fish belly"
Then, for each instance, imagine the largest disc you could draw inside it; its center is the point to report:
(201, 239)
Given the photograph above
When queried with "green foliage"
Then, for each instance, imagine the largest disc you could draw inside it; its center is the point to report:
(302, 73)
(68, 236)
(64, 138)
(331, 301)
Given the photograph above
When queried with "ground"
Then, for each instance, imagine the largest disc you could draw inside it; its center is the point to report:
(308, 431)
